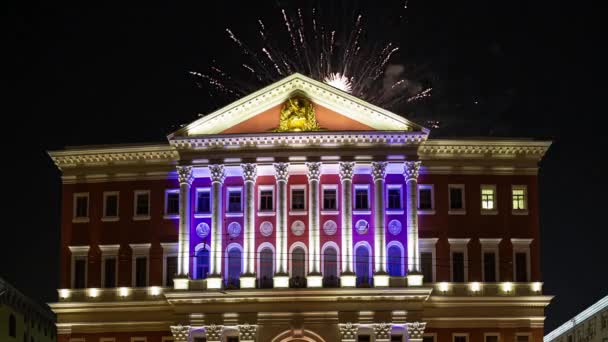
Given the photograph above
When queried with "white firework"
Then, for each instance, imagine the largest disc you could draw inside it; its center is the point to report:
(337, 80)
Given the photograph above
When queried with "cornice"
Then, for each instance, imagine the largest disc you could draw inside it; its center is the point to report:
(100, 156)
(486, 148)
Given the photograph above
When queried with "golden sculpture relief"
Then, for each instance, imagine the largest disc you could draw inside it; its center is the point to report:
(297, 115)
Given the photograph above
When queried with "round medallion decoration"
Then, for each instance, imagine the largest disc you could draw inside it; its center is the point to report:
(202, 230)
(394, 227)
(361, 227)
(266, 228)
(234, 229)
(297, 228)
(330, 227)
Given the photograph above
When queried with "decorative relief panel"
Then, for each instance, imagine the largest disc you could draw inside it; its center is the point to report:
(234, 229)
(266, 228)
(298, 228)
(202, 230)
(330, 227)
(394, 227)
(362, 227)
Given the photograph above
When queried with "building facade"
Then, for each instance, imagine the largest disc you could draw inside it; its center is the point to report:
(301, 213)
(22, 319)
(591, 325)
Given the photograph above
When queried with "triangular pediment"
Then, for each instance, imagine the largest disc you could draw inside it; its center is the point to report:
(334, 109)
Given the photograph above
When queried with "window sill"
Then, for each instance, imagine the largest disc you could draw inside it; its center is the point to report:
(426, 211)
(266, 213)
(362, 212)
(141, 218)
(457, 212)
(202, 215)
(298, 213)
(394, 212)
(329, 212)
(110, 219)
(171, 217)
(489, 212)
(519, 212)
(80, 220)
(234, 214)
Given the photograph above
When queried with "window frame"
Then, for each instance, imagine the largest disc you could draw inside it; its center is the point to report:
(78, 252)
(497, 334)
(170, 249)
(198, 214)
(426, 187)
(230, 189)
(139, 250)
(490, 245)
(109, 252)
(266, 187)
(136, 194)
(494, 209)
(527, 334)
(334, 188)
(297, 212)
(463, 210)
(454, 335)
(361, 211)
(456, 246)
(394, 211)
(167, 215)
(429, 245)
(104, 217)
(75, 217)
(523, 211)
(522, 246)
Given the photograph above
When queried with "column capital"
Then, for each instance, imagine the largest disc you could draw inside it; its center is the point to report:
(281, 171)
(250, 172)
(314, 171)
(415, 330)
(347, 169)
(348, 331)
(181, 333)
(247, 332)
(218, 173)
(411, 170)
(184, 174)
(214, 332)
(379, 170)
(382, 332)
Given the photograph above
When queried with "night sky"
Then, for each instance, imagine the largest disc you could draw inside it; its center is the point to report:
(114, 74)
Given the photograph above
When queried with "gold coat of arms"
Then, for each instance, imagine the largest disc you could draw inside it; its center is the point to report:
(297, 115)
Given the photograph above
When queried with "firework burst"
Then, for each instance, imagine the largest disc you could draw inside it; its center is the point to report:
(345, 59)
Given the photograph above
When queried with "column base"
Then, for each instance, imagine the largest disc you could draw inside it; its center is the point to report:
(381, 279)
(280, 281)
(247, 281)
(414, 279)
(214, 282)
(348, 279)
(314, 280)
(181, 282)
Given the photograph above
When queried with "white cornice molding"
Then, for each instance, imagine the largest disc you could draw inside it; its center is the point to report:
(489, 242)
(278, 92)
(99, 156)
(486, 148)
(109, 249)
(79, 250)
(521, 242)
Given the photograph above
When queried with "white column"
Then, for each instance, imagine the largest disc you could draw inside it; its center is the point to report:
(347, 277)
(181, 333)
(185, 177)
(410, 172)
(380, 276)
(281, 277)
(314, 278)
(249, 175)
(218, 174)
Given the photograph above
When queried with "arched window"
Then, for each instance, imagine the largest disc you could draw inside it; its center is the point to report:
(202, 263)
(330, 267)
(362, 265)
(298, 266)
(12, 326)
(266, 267)
(234, 267)
(394, 261)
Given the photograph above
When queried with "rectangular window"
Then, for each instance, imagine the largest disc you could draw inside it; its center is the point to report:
(521, 267)
(522, 338)
(142, 203)
(460, 338)
(234, 201)
(491, 338)
(394, 198)
(81, 206)
(266, 200)
(361, 198)
(171, 270)
(425, 197)
(488, 197)
(203, 201)
(330, 199)
(519, 198)
(489, 266)
(109, 273)
(141, 271)
(110, 204)
(80, 274)
(298, 199)
(426, 263)
(172, 202)
(456, 194)
(458, 267)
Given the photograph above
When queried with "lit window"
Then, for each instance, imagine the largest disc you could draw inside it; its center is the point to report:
(488, 197)
(330, 199)
(519, 198)
(393, 198)
(110, 204)
(266, 200)
(425, 197)
(456, 194)
(81, 205)
(203, 201)
(234, 201)
(172, 202)
(142, 203)
(361, 198)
